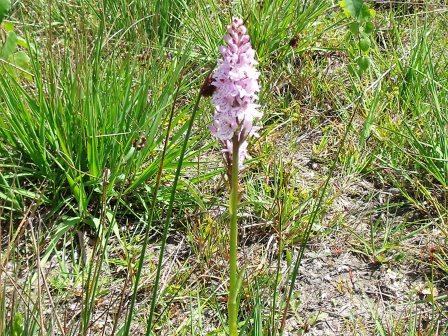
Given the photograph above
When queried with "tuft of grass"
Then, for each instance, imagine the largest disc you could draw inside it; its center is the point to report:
(111, 193)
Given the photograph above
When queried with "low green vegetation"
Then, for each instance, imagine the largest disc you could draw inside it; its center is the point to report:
(113, 193)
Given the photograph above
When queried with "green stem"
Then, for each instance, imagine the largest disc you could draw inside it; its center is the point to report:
(233, 210)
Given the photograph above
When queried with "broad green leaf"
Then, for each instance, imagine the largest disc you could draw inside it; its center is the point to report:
(21, 62)
(5, 6)
(10, 45)
(363, 63)
(20, 59)
(364, 44)
(354, 28)
(8, 26)
(352, 8)
(23, 43)
(367, 13)
(369, 27)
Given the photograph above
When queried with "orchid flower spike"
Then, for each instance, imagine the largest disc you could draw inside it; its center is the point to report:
(235, 97)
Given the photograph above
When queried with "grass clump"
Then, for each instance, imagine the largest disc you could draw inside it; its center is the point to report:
(113, 194)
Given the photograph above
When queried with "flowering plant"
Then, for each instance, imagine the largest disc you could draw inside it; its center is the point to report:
(235, 99)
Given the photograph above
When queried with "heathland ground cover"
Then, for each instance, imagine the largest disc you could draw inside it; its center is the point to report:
(111, 181)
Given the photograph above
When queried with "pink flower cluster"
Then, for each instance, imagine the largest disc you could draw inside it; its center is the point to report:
(236, 82)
